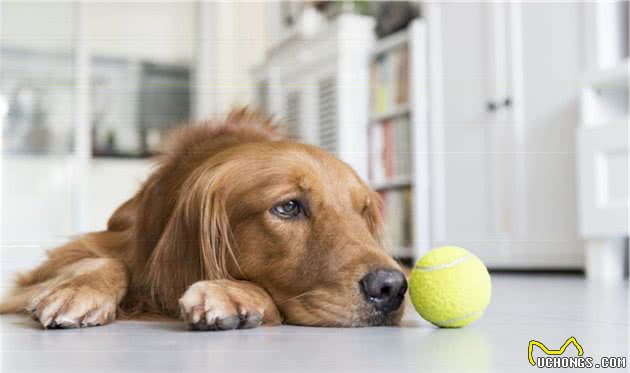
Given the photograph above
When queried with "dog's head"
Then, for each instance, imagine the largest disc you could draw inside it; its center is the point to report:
(300, 223)
(291, 218)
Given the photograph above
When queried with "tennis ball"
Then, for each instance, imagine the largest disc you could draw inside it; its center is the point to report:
(450, 287)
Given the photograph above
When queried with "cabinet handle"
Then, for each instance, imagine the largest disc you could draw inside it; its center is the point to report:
(493, 106)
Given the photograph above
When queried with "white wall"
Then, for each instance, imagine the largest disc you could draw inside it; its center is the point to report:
(156, 31)
(41, 26)
(238, 40)
(161, 32)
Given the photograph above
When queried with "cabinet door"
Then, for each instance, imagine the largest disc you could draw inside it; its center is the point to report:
(546, 53)
(603, 168)
(461, 191)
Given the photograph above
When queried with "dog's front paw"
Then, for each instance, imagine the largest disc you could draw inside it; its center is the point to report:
(72, 307)
(223, 305)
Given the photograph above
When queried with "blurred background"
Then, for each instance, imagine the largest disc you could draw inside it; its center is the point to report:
(498, 126)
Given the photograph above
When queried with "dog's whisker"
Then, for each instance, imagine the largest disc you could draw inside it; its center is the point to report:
(306, 293)
(341, 317)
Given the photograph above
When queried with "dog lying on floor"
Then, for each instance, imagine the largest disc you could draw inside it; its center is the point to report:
(235, 228)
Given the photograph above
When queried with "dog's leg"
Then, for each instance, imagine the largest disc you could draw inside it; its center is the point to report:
(71, 292)
(226, 304)
(86, 293)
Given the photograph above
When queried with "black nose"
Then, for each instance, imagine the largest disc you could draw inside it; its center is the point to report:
(385, 289)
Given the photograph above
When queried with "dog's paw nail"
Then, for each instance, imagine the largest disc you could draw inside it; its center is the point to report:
(195, 326)
(252, 320)
(228, 323)
(199, 326)
(196, 315)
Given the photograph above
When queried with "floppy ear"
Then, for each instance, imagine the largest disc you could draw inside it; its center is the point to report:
(196, 243)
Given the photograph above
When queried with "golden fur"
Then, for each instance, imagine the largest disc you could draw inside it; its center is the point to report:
(198, 240)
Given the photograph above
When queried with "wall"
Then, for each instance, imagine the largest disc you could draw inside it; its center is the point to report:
(161, 32)
(46, 26)
(236, 41)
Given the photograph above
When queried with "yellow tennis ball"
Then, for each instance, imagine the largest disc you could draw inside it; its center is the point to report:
(450, 287)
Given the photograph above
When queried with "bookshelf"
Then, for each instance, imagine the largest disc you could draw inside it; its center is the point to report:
(398, 139)
(398, 111)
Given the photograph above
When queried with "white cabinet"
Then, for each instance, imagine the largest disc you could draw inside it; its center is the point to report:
(602, 142)
(602, 164)
(504, 88)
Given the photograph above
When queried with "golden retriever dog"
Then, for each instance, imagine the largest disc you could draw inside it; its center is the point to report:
(236, 227)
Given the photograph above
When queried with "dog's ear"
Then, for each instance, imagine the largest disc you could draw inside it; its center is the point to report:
(196, 243)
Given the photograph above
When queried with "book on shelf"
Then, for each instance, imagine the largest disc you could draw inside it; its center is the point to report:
(390, 147)
(398, 224)
(390, 80)
(390, 150)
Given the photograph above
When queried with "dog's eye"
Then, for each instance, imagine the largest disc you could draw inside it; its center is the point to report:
(289, 209)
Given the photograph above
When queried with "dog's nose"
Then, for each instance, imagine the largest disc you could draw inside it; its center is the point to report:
(385, 289)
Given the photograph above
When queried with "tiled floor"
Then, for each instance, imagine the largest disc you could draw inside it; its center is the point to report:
(549, 309)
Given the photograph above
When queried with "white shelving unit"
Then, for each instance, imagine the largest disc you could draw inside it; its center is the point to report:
(602, 143)
(415, 109)
(396, 112)
(314, 83)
